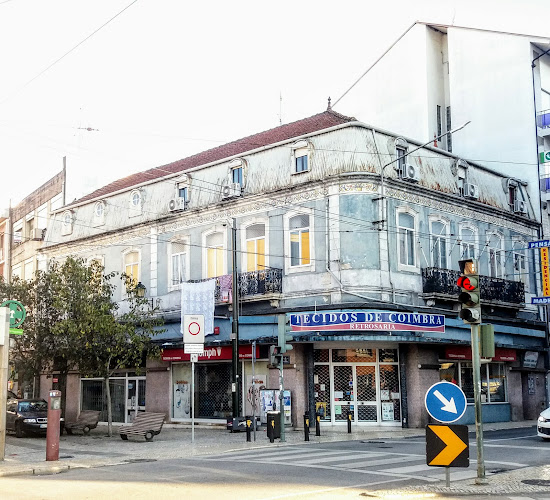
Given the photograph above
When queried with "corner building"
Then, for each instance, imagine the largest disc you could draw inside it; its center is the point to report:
(354, 240)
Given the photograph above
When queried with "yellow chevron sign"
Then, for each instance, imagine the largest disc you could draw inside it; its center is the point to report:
(447, 446)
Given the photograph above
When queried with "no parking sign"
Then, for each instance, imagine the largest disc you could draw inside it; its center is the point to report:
(193, 333)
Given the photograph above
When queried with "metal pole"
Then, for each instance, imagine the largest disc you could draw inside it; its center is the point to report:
(476, 364)
(448, 477)
(4, 360)
(192, 399)
(254, 389)
(282, 400)
(235, 326)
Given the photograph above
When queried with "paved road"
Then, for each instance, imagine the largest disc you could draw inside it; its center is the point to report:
(326, 470)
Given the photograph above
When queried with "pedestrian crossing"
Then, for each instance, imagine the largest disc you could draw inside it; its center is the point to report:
(383, 463)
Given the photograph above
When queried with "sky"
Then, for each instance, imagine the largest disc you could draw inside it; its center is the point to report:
(120, 86)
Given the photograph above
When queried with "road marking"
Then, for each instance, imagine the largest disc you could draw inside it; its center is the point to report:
(407, 470)
(326, 490)
(348, 458)
(374, 463)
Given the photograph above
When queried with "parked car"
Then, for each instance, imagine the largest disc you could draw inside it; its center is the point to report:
(28, 416)
(543, 425)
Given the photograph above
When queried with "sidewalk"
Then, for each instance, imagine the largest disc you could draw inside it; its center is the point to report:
(26, 456)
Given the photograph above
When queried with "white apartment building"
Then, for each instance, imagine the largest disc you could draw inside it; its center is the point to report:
(437, 77)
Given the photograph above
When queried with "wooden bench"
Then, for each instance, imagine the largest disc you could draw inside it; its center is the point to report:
(86, 421)
(145, 424)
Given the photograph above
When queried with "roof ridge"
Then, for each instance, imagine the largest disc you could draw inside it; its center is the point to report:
(287, 131)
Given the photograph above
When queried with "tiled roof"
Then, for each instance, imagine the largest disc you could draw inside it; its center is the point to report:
(314, 123)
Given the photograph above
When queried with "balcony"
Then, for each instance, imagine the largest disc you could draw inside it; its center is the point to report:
(441, 284)
(252, 285)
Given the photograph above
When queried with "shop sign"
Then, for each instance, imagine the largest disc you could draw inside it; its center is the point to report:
(462, 352)
(364, 321)
(209, 354)
(545, 269)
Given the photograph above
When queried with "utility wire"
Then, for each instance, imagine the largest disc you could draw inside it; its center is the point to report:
(65, 54)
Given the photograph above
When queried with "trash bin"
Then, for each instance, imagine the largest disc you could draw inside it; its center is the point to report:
(275, 427)
(236, 424)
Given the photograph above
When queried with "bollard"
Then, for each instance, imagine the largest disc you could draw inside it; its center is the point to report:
(349, 422)
(248, 423)
(317, 425)
(271, 430)
(306, 427)
(53, 431)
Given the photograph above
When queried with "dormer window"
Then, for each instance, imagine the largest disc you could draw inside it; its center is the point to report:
(401, 150)
(301, 157)
(135, 203)
(99, 213)
(183, 192)
(99, 209)
(67, 223)
(237, 172)
(237, 175)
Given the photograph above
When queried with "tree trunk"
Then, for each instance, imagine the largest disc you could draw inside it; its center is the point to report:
(109, 406)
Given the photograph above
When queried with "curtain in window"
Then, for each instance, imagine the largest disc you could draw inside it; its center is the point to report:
(300, 250)
(131, 266)
(406, 240)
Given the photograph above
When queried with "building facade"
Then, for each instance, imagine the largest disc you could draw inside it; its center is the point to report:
(351, 236)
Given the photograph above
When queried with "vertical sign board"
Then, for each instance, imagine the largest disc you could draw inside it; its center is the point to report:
(545, 269)
(447, 445)
(193, 333)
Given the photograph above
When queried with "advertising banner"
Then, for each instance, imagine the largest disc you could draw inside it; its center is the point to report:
(545, 270)
(367, 321)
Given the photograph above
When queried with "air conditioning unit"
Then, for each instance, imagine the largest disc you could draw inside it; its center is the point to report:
(408, 173)
(37, 234)
(471, 191)
(231, 190)
(520, 207)
(176, 204)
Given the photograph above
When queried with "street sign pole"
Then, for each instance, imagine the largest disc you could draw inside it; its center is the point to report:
(194, 357)
(476, 365)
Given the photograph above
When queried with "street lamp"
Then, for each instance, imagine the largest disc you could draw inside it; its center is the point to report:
(140, 290)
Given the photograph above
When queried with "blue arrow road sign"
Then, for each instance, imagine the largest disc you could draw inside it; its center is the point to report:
(445, 402)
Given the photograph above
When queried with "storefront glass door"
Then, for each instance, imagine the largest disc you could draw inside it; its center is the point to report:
(360, 382)
(135, 397)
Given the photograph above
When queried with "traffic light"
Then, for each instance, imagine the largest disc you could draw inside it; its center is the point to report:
(487, 341)
(274, 355)
(284, 336)
(470, 294)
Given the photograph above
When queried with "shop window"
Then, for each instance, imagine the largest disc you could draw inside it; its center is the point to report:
(255, 247)
(493, 380)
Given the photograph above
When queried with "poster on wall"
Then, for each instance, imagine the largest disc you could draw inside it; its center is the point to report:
(253, 387)
(387, 412)
(182, 400)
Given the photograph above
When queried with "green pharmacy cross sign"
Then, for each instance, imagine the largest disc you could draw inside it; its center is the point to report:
(17, 315)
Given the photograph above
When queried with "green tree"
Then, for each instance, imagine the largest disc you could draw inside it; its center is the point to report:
(73, 323)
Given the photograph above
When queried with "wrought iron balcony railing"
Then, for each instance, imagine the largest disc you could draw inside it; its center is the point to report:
(252, 283)
(436, 281)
